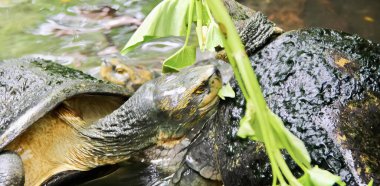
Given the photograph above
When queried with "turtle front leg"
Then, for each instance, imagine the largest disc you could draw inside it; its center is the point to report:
(11, 169)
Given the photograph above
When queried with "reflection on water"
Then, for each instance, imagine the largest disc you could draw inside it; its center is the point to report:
(352, 16)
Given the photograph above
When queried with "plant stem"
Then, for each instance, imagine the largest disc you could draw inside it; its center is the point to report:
(189, 21)
(236, 54)
(251, 89)
(198, 8)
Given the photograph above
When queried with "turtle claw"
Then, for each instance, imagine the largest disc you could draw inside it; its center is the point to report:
(11, 169)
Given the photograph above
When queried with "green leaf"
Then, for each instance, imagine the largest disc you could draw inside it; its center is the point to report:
(246, 129)
(319, 177)
(132, 47)
(226, 91)
(169, 18)
(214, 37)
(285, 139)
(282, 137)
(248, 125)
(370, 183)
(181, 59)
(203, 19)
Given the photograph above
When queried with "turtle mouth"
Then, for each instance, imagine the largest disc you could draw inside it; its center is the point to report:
(209, 105)
(211, 98)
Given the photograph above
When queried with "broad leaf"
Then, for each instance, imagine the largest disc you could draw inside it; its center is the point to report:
(248, 125)
(370, 183)
(214, 37)
(246, 129)
(169, 18)
(132, 47)
(226, 91)
(181, 59)
(319, 177)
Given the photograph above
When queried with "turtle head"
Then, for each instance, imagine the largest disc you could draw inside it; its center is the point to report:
(184, 98)
(161, 111)
(129, 76)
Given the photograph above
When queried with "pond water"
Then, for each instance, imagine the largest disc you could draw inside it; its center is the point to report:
(75, 33)
(82, 33)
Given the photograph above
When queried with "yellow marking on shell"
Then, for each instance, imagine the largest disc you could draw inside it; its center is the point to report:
(364, 160)
(369, 19)
(341, 62)
(341, 138)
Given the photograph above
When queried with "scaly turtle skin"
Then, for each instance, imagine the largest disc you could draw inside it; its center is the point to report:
(254, 27)
(58, 119)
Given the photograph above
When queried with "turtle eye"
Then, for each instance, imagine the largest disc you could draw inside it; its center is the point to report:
(201, 88)
(119, 70)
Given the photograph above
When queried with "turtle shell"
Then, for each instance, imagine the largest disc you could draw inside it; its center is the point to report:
(325, 86)
(253, 26)
(31, 87)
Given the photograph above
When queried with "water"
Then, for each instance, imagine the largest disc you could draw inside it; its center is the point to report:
(352, 16)
(75, 33)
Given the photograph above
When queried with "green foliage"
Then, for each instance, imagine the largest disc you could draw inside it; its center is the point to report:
(169, 18)
(214, 37)
(175, 18)
(186, 55)
(156, 25)
(370, 182)
(226, 91)
(319, 177)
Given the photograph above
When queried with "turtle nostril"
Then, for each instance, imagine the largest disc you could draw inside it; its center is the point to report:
(106, 63)
(217, 72)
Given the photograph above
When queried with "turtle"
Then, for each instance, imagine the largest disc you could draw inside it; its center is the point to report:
(325, 86)
(113, 69)
(57, 121)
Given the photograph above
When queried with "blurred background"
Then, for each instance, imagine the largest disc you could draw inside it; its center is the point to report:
(85, 30)
(353, 16)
